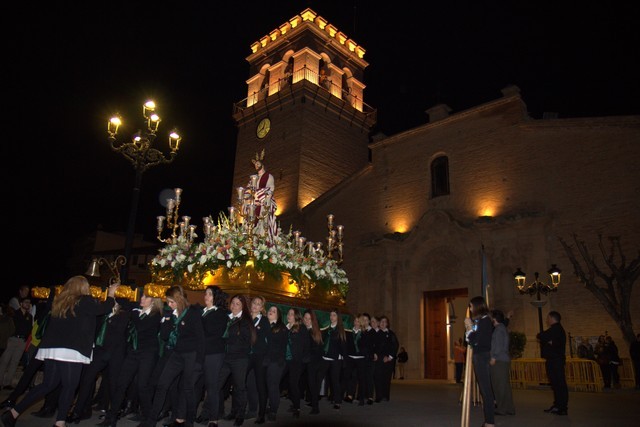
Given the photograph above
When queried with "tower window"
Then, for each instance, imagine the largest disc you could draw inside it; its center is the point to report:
(440, 176)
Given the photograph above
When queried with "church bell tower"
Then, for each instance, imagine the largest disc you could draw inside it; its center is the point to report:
(305, 107)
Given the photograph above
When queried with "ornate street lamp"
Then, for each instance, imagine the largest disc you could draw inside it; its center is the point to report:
(537, 288)
(142, 155)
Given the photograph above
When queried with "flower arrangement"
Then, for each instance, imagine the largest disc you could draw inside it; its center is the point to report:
(229, 245)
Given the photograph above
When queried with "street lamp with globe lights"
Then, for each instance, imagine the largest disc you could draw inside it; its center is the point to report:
(537, 287)
(142, 155)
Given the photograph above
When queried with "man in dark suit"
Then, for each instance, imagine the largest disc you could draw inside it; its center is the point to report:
(553, 342)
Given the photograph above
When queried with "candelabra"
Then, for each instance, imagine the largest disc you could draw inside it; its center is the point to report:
(94, 268)
(334, 240)
(178, 229)
(142, 155)
(537, 288)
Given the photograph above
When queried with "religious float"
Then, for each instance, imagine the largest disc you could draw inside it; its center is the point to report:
(245, 251)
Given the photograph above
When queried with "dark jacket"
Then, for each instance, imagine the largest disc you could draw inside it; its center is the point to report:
(263, 329)
(214, 322)
(190, 333)
(387, 344)
(354, 338)
(299, 344)
(334, 347)
(553, 342)
(368, 343)
(480, 338)
(147, 330)
(115, 337)
(275, 350)
(316, 350)
(76, 332)
(238, 338)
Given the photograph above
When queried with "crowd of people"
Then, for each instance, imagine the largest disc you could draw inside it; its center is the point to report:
(191, 357)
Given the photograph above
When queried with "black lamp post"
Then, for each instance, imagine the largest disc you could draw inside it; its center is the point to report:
(142, 156)
(537, 288)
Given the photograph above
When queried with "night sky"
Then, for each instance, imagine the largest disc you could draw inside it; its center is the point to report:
(70, 68)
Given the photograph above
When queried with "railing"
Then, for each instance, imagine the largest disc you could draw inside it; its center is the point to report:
(305, 73)
(581, 374)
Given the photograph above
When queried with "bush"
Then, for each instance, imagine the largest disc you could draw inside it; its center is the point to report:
(517, 342)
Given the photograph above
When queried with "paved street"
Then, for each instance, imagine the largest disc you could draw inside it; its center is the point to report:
(426, 403)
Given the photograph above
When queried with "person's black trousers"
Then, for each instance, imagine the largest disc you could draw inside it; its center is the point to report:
(558, 380)
(257, 386)
(184, 368)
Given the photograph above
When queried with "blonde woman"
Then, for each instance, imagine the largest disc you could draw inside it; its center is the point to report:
(66, 346)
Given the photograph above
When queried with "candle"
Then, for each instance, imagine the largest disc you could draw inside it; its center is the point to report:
(240, 191)
(182, 229)
(160, 222)
(178, 194)
(170, 205)
(296, 235)
(332, 233)
(186, 220)
(340, 231)
(254, 181)
(330, 219)
(192, 231)
(231, 212)
(329, 243)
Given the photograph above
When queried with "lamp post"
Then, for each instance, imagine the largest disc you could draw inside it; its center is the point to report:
(142, 155)
(537, 288)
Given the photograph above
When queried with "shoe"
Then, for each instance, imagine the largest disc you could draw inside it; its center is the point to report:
(7, 403)
(238, 422)
(559, 412)
(202, 420)
(128, 409)
(162, 415)
(44, 412)
(369, 401)
(314, 411)
(336, 407)
(260, 420)
(348, 399)
(73, 418)
(551, 409)
(7, 419)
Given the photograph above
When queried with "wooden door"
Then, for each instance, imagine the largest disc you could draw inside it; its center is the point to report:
(436, 337)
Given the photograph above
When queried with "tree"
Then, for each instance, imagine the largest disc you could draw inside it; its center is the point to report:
(612, 290)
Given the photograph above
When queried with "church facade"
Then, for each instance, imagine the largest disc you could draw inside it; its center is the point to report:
(443, 212)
